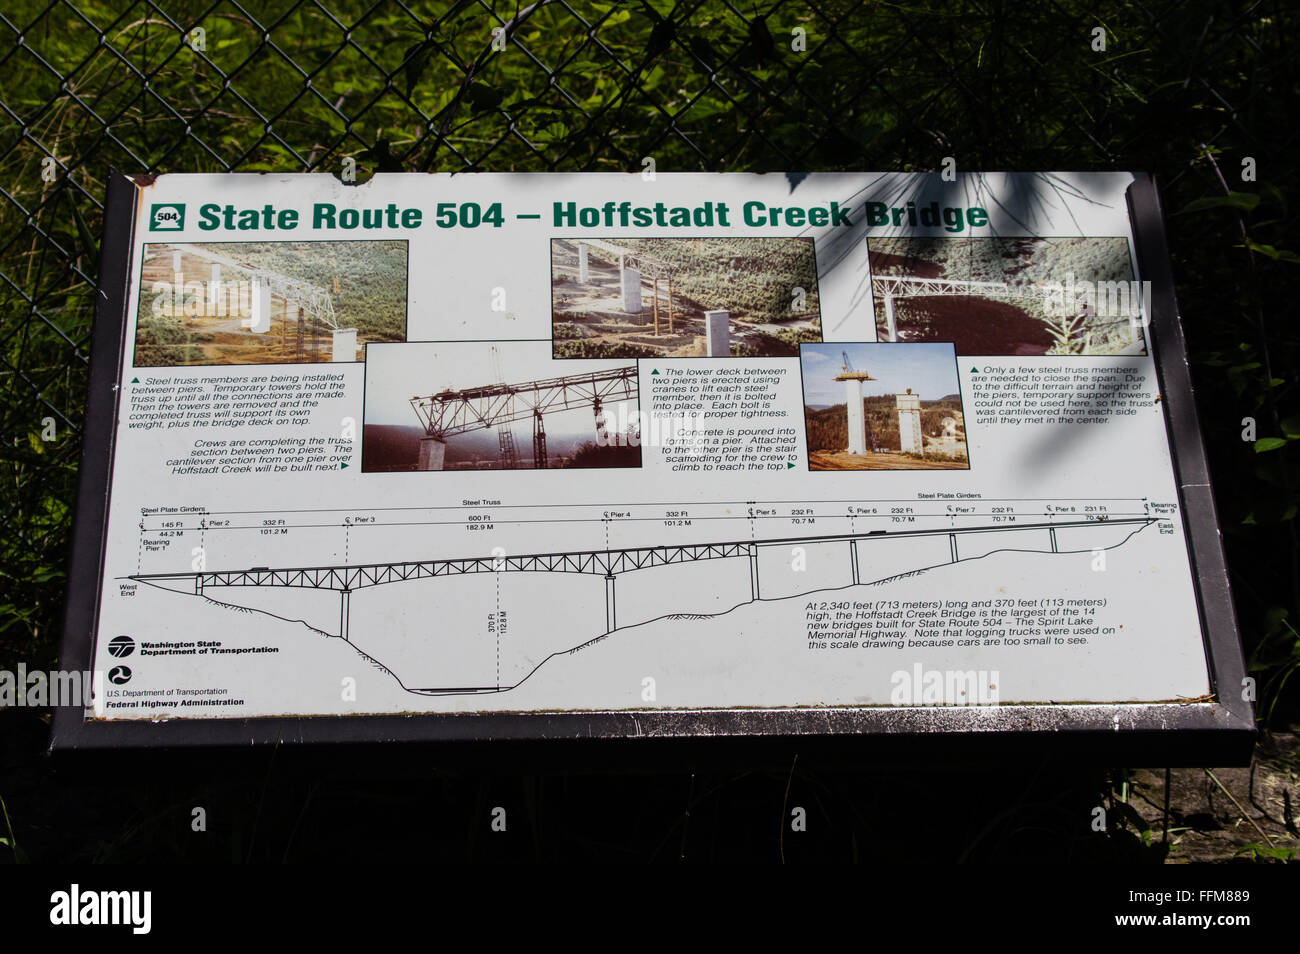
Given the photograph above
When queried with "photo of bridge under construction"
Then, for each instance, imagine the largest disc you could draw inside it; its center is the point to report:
(1010, 296)
(468, 405)
(216, 303)
(874, 406)
(683, 297)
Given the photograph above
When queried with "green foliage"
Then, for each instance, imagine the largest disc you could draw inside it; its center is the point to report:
(160, 342)
(785, 343)
(11, 842)
(583, 348)
(1267, 853)
(754, 279)
(1245, 358)
(366, 279)
(705, 86)
(1275, 659)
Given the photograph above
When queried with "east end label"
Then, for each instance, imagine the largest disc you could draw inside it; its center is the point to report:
(324, 215)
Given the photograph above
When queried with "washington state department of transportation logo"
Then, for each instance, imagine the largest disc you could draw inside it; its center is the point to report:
(167, 217)
(121, 646)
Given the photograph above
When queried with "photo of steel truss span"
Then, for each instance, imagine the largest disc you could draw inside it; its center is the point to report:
(1010, 296)
(632, 586)
(452, 412)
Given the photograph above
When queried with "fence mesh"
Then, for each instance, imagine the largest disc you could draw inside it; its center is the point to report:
(1197, 92)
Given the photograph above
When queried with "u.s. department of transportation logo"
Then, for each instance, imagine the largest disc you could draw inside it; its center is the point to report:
(167, 217)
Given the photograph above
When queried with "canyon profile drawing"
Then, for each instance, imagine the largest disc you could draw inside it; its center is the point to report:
(603, 586)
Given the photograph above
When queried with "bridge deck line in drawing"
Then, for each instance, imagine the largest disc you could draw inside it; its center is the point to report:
(607, 563)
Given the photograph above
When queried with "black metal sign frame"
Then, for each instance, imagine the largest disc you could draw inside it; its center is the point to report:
(1219, 730)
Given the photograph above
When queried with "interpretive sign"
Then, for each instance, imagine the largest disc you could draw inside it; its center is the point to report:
(597, 455)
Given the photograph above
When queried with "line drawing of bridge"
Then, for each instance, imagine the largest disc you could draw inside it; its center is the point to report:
(607, 563)
(459, 411)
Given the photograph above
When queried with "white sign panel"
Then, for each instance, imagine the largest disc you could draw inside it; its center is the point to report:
(684, 454)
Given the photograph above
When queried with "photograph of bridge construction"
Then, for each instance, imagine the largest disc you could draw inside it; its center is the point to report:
(873, 406)
(497, 406)
(1009, 296)
(269, 302)
(683, 297)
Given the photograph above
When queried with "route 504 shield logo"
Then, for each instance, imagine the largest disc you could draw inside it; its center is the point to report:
(167, 217)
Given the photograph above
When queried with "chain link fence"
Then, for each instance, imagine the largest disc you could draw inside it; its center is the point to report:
(1198, 92)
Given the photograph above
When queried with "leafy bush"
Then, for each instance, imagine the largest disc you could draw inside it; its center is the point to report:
(160, 342)
(753, 278)
(586, 348)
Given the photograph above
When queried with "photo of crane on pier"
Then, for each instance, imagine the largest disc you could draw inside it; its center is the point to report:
(268, 302)
(875, 406)
(497, 406)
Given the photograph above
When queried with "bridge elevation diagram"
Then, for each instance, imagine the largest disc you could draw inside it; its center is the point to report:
(491, 617)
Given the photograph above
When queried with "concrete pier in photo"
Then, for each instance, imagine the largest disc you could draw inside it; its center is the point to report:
(909, 423)
(717, 333)
(631, 280)
(857, 416)
(432, 452)
(344, 347)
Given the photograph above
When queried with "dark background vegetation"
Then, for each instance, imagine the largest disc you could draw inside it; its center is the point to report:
(1189, 90)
